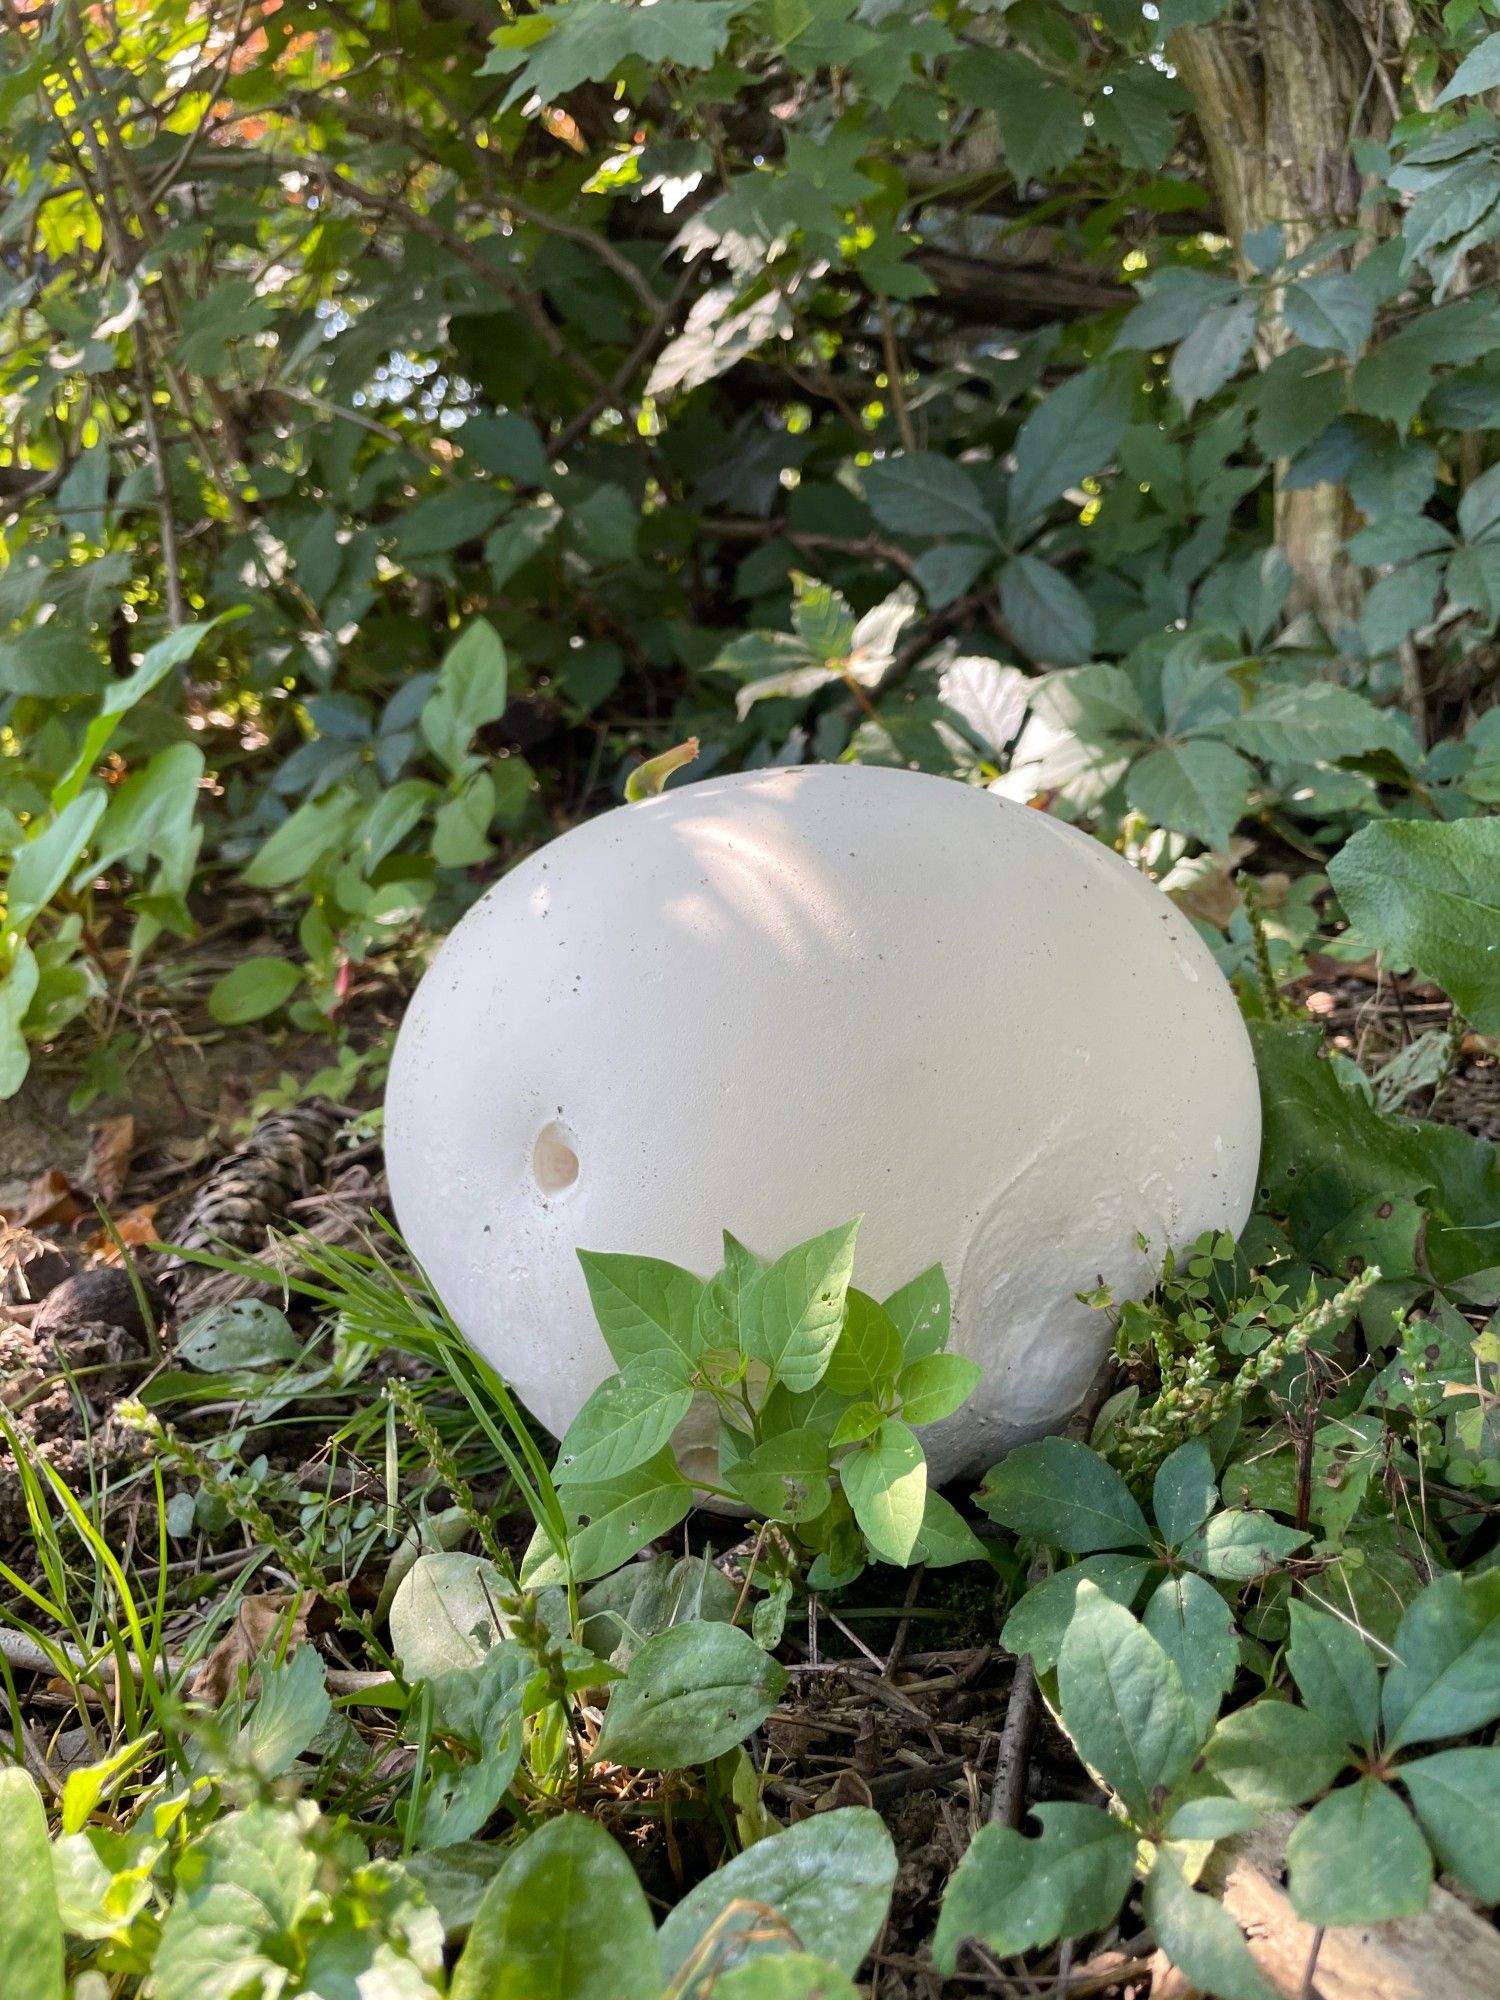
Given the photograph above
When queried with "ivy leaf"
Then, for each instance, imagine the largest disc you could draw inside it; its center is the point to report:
(885, 1480)
(625, 1421)
(1429, 896)
(1275, 1755)
(1123, 1704)
(1456, 1794)
(566, 1915)
(1200, 788)
(1242, 1544)
(1358, 1858)
(1335, 1673)
(1059, 1493)
(1445, 1680)
(829, 1878)
(554, 55)
(1040, 121)
(690, 1693)
(1198, 1934)
(1191, 1623)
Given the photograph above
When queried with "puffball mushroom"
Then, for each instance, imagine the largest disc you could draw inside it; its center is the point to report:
(774, 1001)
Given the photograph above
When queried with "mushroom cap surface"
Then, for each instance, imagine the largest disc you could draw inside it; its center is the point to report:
(773, 1001)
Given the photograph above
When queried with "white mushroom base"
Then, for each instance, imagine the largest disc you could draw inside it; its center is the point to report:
(774, 1001)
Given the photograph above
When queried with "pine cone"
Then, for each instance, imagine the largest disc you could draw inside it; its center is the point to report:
(285, 1156)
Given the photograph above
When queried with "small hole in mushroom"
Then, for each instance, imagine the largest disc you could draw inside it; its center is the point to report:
(553, 1159)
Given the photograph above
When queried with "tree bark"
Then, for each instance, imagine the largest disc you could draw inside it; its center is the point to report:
(1281, 91)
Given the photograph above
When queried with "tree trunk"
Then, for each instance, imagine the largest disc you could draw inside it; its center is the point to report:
(1281, 92)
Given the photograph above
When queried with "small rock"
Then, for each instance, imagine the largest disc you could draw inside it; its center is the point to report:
(105, 1296)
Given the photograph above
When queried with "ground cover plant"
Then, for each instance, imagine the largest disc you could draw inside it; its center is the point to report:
(428, 424)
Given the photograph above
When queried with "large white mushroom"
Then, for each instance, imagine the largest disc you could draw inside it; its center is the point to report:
(774, 1001)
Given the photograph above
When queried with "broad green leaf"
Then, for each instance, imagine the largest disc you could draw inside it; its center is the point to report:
(1456, 1794)
(1039, 1622)
(565, 1919)
(291, 853)
(1242, 1545)
(152, 812)
(255, 988)
(241, 1333)
(790, 1975)
(867, 1353)
(628, 1419)
(647, 1309)
(1017, 1895)
(461, 824)
(798, 1308)
(1479, 71)
(1307, 724)
(829, 1878)
(1358, 1858)
(1124, 1704)
(31, 1938)
(554, 56)
(1445, 1680)
(446, 1614)
(1185, 1493)
(1201, 788)
(1070, 433)
(17, 991)
(1045, 614)
(39, 869)
(1429, 896)
(786, 1478)
(926, 493)
(1060, 1494)
(728, 1299)
(1213, 351)
(1198, 1934)
(1040, 122)
(923, 1313)
(1192, 1624)
(292, 1706)
(121, 696)
(690, 1694)
(944, 1537)
(470, 691)
(240, 1891)
(935, 1385)
(886, 1483)
(1335, 1673)
(55, 665)
(1333, 310)
(610, 1520)
(1275, 1755)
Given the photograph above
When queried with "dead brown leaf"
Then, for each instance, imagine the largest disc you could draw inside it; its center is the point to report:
(52, 1198)
(260, 1622)
(111, 1143)
(135, 1229)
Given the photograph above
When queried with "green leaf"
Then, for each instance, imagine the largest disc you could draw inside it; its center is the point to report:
(935, 1385)
(460, 826)
(1059, 1493)
(798, 1308)
(240, 1890)
(555, 55)
(1446, 1677)
(628, 1419)
(152, 812)
(829, 1878)
(1429, 896)
(609, 1520)
(926, 493)
(121, 696)
(446, 1614)
(647, 1309)
(17, 991)
(255, 988)
(1123, 1703)
(1192, 1624)
(1275, 1755)
(293, 851)
(1358, 1858)
(1135, 115)
(56, 665)
(1335, 1673)
(1039, 1622)
(886, 1483)
(241, 1333)
(1072, 432)
(1456, 1794)
(31, 1938)
(1200, 788)
(565, 1918)
(867, 1353)
(1335, 310)
(1016, 1895)
(471, 691)
(790, 1975)
(1047, 617)
(1040, 123)
(1213, 351)
(1185, 1493)
(1241, 1545)
(786, 1478)
(923, 1313)
(39, 869)
(292, 1707)
(1479, 71)
(1308, 723)
(1198, 1935)
(945, 1537)
(691, 1693)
